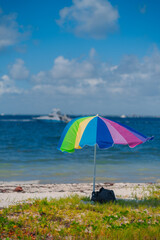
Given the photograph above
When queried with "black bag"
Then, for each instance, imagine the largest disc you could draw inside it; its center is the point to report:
(103, 195)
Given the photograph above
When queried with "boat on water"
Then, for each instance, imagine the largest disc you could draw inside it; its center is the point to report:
(123, 116)
(55, 116)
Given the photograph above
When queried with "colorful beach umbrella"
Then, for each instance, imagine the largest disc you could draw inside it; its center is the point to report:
(98, 131)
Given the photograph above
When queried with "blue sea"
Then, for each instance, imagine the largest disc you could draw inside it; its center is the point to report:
(28, 152)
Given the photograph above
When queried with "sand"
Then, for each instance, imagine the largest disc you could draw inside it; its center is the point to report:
(33, 190)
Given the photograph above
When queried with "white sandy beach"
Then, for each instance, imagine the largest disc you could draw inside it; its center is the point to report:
(32, 190)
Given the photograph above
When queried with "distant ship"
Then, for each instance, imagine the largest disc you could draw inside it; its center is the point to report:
(55, 116)
(123, 116)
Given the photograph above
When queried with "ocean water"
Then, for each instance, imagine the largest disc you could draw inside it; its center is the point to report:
(28, 152)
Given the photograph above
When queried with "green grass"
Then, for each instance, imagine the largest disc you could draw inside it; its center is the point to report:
(77, 218)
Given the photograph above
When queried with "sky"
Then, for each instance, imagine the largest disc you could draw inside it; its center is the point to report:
(82, 56)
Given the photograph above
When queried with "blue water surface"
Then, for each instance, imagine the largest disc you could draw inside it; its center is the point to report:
(28, 151)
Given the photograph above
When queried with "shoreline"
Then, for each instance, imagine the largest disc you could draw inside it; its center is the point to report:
(33, 190)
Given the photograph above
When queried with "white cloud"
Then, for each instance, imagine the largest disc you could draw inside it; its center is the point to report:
(94, 85)
(59, 89)
(68, 77)
(10, 31)
(93, 82)
(65, 68)
(89, 18)
(143, 9)
(7, 86)
(131, 78)
(40, 77)
(18, 71)
(92, 53)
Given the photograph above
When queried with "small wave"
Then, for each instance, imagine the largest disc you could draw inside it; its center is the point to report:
(16, 120)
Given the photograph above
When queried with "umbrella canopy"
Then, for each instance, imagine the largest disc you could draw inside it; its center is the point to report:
(98, 130)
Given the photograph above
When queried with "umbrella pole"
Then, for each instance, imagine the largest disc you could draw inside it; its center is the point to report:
(94, 175)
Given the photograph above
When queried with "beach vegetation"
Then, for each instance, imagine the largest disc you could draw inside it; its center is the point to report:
(78, 218)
